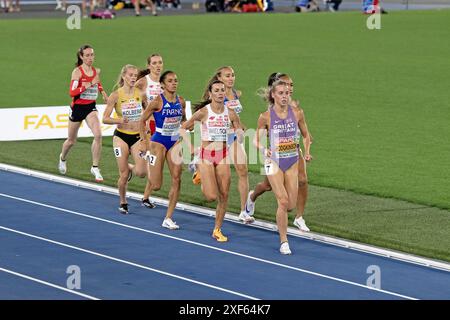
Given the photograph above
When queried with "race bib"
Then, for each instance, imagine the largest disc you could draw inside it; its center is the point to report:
(268, 168)
(132, 110)
(234, 105)
(171, 126)
(90, 93)
(151, 159)
(287, 150)
(117, 152)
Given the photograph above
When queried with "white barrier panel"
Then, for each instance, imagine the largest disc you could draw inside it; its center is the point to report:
(43, 123)
(188, 110)
(39, 123)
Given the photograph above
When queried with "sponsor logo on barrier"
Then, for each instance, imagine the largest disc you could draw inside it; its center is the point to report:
(34, 121)
(42, 123)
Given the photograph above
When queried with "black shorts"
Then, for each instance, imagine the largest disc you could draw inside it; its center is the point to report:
(79, 112)
(129, 139)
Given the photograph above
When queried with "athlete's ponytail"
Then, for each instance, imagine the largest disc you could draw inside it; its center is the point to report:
(80, 54)
(266, 93)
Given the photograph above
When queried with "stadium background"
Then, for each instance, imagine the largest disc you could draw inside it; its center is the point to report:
(376, 102)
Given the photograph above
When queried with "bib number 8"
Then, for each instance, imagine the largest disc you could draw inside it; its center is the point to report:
(117, 152)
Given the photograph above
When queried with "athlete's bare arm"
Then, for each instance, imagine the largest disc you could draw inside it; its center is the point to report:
(111, 102)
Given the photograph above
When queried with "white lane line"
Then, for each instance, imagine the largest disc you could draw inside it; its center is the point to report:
(129, 263)
(48, 284)
(210, 247)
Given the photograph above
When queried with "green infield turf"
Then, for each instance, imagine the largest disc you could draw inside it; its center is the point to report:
(376, 102)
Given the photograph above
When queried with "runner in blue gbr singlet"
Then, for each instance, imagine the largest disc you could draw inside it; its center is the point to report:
(168, 122)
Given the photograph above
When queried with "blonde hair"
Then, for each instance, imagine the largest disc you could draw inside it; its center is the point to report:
(266, 93)
(120, 82)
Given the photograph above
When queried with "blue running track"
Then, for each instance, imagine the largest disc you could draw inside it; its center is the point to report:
(46, 227)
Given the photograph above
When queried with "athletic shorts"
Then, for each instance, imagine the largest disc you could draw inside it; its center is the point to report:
(167, 141)
(79, 112)
(213, 156)
(129, 139)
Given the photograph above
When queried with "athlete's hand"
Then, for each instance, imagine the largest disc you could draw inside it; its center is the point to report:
(240, 135)
(308, 157)
(267, 153)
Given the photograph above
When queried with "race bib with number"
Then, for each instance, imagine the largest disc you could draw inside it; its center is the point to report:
(131, 110)
(171, 126)
(90, 93)
(268, 168)
(117, 152)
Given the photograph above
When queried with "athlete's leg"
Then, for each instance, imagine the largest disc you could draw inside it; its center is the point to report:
(277, 182)
(223, 178)
(96, 148)
(121, 151)
(260, 188)
(174, 162)
(83, 8)
(140, 164)
(302, 187)
(209, 183)
(291, 185)
(137, 8)
(71, 138)
(158, 151)
(240, 164)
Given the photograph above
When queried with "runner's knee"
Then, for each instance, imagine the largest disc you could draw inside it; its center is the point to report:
(302, 181)
(283, 203)
(140, 172)
(98, 137)
(210, 197)
(176, 180)
(155, 185)
(70, 142)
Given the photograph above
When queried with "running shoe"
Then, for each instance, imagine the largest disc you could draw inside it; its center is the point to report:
(250, 205)
(284, 248)
(96, 173)
(62, 166)
(123, 208)
(196, 179)
(169, 224)
(217, 234)
(246, 218)
(300, 223)
(148, 204)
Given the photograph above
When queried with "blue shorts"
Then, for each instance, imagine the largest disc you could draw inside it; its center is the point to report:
(166, 141)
